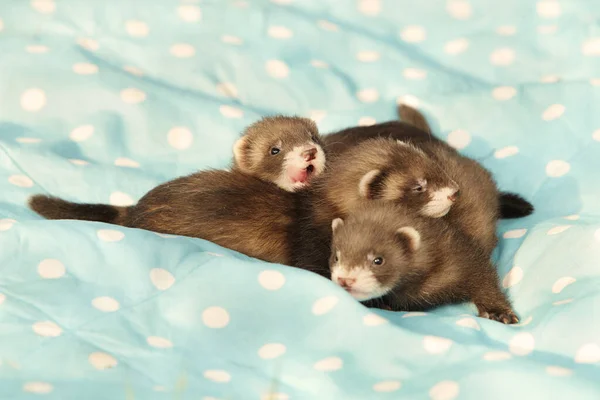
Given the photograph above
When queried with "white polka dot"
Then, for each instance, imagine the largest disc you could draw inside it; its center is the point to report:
(327, 25)
(597, 235)
(280, 32)
(159, 342)
(271, 350)
(180, 137)
(78, 162)
(459, 9)
(595, 81)
(85, 68)
(369, 7)
(548, 9)
(408, 100)
(459, 139)
(88, 44)
(81, 133)
(524, 322)
(506, 152)
(137, 28)
(217, 376)
(513, 277)
(132, 95)
(44, 6)
(562, 302)
(121, 199)
(553, 112)
(387, 386)
(468, 323)
(329, 364)
(504, 93)
(414, 314)
(28, 140)
(21, 181)
(274, 396)
(554, 370)
(189, 13)
(368, 56)
(37, 49)
(182, 50)
(133, 70)
(161, 278)
(33, 100)
(317, 115)
(557, 168)
(366, 121)
(215, 317)
(436, 344)
(413, 34)
(414, 73)
(596, 135)
(456, 46)
(126, 162)
(324, 305)
(573, 217)
(6, 224)
(277, 69)
(282, 2)
(102, 361)
(562, 283)
(38, 387)
(591, 47)
(588, 354)
(47, 329)
(549, 79)
(227, 89)
(368, 95)
(2, 299)
(159, 389)
(496, 356)
(502, 57)
(106, 304)
(445, 390)
(231, 112)
(51, 269)
(1, 25)
(522, 344)
(230, 39)
(374, 320)
(514, 234)
(319, 64)
(271, 280)
(547, 29)
(506, 30)
(110, 235)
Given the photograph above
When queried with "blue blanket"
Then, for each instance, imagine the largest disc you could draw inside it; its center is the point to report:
(102, 100)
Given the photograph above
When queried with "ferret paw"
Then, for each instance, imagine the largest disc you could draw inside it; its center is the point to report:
(507, 317)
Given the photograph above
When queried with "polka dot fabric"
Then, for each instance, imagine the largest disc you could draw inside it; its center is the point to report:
(103, 100)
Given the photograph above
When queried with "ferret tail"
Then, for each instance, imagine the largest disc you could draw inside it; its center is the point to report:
(55, 208)
(514, 206)
(413, 117)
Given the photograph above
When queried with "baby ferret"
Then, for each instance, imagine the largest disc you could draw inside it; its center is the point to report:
(244, 209)
(392, 259)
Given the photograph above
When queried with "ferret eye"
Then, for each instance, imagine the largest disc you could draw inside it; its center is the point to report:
(337, 259)
(419, 188)
(275, 151)
(378, 261)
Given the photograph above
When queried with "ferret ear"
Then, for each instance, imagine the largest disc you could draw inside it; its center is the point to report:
(336, 223)
(239, 151)
(410, 236)
(369, 186)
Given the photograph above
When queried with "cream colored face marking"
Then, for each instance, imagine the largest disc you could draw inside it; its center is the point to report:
(440, 204)
(365, 285)
(294, 160)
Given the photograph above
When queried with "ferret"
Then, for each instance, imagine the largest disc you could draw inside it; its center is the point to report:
(389, 258)
(244, 209)
(414, 129)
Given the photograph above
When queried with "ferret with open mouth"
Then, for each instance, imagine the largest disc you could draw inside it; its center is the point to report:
(389, 258)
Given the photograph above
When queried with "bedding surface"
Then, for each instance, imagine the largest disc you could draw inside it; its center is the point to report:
(102, 100)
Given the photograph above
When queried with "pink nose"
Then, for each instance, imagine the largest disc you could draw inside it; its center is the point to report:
(309, 154)
(453, 196)
(346, 282)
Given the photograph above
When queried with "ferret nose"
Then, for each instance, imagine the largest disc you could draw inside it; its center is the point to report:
(453, 196)
(346, 282)
(309, 154)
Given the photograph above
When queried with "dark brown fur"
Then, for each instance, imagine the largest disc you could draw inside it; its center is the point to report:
(448, 267)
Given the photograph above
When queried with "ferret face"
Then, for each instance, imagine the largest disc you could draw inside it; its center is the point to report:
(284, 150)
(414, 180)
(368, 259)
